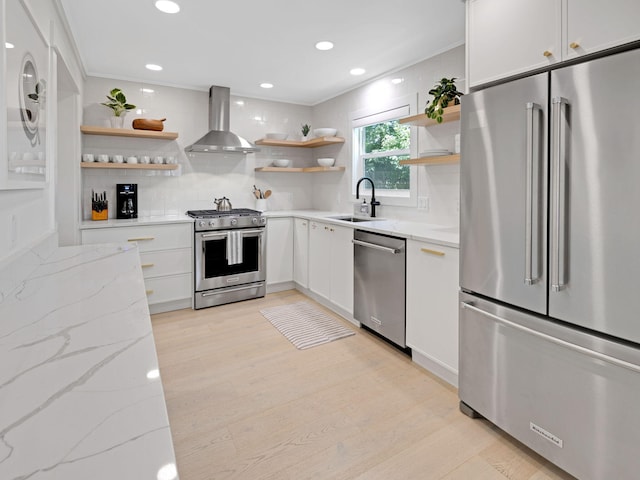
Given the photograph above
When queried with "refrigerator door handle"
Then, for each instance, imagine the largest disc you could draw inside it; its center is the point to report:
(532, 198)
(558, 210)
(558, 341)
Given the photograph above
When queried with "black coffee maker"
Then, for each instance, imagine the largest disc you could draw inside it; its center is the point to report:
(127, 196)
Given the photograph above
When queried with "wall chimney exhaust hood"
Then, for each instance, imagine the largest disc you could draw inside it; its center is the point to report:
(220, 139)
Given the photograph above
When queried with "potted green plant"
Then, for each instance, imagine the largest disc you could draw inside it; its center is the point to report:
(118, 103)
(306, 128)
(444, 94)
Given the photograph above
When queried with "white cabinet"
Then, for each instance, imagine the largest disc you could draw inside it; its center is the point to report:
(432, 307)
(509, 37)
(301, 252)
(166, 257)
(594, 25)
(331, 263)
(279, 250)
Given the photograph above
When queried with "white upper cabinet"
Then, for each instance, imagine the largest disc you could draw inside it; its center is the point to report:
(593, 25)
(510, 37)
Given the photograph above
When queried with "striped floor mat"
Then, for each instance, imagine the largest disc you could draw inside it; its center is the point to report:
(304, 325)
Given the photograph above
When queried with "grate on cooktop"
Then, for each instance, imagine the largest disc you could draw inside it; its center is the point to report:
(238, 212)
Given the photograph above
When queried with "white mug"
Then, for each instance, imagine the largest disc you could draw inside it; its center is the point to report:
(158, 160)
(145, 159)
(87, 157)
(118, 159)
(132, 160)
(104, 158)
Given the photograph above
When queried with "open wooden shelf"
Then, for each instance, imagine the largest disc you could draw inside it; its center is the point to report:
(450, 114)
(314, 142)
(443, 160)
(131, 166)
(300, 169)
(124, 132)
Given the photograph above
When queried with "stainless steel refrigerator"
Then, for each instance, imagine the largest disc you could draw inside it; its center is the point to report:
(550, 263)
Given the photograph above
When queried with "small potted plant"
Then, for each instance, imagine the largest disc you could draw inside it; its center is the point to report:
(444, 94)
(118, 103)
(306, 128)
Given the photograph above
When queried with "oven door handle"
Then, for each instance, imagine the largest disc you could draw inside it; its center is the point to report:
(229, 290)
(224, 233)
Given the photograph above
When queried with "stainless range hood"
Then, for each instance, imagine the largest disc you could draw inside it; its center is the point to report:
(220, 139)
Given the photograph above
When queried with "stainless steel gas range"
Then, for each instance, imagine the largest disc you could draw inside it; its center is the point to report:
(229, 256)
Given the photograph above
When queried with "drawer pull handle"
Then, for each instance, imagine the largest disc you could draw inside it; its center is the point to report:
(432, 252)
(140, 239)
(148, 292)
(147, 265)
(574, 45)
(547, 53)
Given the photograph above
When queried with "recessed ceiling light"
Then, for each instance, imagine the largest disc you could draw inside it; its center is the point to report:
(266, 85)
(155, 68)
(357, 71)
(8, 45)
(239, 102)
(324, 45)
(155, 373)
(167, 6)
(147, 90)
(396, 81)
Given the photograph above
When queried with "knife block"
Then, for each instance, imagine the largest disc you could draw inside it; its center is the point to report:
(102, 214)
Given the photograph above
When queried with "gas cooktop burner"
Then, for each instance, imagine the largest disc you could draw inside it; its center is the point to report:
(236, 212)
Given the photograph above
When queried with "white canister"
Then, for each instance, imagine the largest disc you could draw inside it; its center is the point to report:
(118, 159)
(145, 159)
(103, 158)
(87, 157)
(261, 204)
(158, 160)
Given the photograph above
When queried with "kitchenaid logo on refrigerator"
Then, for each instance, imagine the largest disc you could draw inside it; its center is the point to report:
(544, 434)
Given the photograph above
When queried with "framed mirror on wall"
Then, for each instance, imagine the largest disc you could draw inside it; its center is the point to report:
(24, 157)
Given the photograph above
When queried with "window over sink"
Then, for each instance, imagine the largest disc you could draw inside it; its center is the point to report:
(379, 143)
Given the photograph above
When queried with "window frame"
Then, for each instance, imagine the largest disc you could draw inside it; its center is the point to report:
(396, 109)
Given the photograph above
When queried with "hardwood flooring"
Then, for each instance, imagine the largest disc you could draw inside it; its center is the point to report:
(244, 403)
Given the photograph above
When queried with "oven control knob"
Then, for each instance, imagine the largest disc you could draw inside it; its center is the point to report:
(212, 223)
(201, 223)
(263, 220)
(254, 220)
(234, 221)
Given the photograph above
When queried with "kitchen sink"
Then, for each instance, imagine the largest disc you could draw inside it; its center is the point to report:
(355, 219)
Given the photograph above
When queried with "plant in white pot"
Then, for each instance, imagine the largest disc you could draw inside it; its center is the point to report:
(118, 103)
(306, 128)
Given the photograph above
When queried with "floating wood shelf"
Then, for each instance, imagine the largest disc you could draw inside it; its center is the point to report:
(131, 166)
(300, 169)
(124, 132)
(450, 114)
(443, 160)
(314, 142)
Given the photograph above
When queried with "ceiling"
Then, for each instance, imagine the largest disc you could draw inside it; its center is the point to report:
(243, 43)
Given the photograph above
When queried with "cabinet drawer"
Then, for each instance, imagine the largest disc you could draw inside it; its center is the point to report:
(166, 262)
(148, 238)
(169, 288)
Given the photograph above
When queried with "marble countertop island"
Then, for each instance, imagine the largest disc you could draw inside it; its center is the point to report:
(80, 392)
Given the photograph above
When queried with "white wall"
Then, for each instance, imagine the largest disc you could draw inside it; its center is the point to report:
(203, 177)
(441, 184)
(27, 216)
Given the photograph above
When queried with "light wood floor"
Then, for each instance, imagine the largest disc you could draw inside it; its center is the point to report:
(246, 404)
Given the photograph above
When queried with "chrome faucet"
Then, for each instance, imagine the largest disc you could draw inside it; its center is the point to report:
(373, 202)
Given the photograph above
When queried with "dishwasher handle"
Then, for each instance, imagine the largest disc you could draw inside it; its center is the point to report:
(377, 247)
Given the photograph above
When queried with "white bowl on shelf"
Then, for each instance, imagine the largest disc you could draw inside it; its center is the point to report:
(277, 136)
(326, 162)
(325, 132)
(281, 162)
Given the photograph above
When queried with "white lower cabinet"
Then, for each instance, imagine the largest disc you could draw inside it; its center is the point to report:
(166, 257)
(279, 251)
(432, 307)
(301, 252)
(331, 263)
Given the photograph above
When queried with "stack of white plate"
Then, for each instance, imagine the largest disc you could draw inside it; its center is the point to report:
(435, 152)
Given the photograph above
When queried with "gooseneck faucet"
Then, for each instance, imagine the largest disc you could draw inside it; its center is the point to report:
(373, 202)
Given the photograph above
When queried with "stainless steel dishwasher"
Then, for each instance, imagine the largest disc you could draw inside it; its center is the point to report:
(379, 266)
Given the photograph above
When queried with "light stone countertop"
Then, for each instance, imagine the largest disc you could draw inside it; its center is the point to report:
(80, 395)
(135, 222)
(425, 232)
